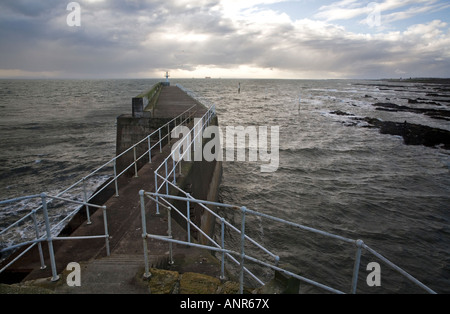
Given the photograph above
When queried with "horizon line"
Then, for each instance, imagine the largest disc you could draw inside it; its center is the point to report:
(225, 78)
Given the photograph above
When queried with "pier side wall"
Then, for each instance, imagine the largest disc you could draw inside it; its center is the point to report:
(199, 178)
(132, 130)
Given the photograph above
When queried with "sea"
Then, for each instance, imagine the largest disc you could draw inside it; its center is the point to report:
(335, 173)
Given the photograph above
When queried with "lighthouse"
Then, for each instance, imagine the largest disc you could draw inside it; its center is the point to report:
(167, 83)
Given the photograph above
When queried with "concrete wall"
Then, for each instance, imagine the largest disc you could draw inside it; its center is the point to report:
(132, 130)
(201, 179)
(144, 104)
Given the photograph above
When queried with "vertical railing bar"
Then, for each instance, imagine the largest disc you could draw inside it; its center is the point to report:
(149, 150)
(160, 141)
(195, 137)
(147, 273)
(188, 215)
(241, 272)
(135, 163)
(168, 134)
(105, 222)
(115, 178)
(166, 177)
(169, 233)
(174, 169)
(222, 264)
(55, 276)
(41, 254)
(86, 200)
(359, 244)
(156, 188)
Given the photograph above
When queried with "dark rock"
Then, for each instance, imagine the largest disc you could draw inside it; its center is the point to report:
(413, 134)
(422, 101)
(433, 113)
(341, 113)
(390, 107)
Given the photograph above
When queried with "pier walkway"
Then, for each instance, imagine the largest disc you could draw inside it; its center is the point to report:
(117, 273)
(173, 101)
(112, 259)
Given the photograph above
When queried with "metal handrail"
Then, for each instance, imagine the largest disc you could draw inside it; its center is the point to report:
(190, 140)
(147, 139)
(169, 207)
(48, 236)
(197, 132)
(184, 117)
(359, 244)
(202, 204)
(197, 128)
(113, 160)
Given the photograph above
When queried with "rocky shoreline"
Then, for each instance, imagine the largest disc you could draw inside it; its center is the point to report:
(433, 113)
(413, 134)
(432, 100)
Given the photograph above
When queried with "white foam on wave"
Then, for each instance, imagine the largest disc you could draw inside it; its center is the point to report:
(57, 210)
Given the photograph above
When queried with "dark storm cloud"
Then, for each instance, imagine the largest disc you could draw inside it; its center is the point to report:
(30, 8)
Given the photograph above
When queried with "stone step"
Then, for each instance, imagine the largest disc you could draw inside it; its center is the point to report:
(156, 261)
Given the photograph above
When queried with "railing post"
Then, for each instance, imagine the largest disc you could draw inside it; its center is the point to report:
(160, 141)
(195, 138)
(105, 222)
(188, 215)
(147, 273)
(135, 163)
(166, 178)
(55, 276)
(169, 233)
(241, 272)
(149, 150)
(86, 200)
(168, 133)
(174, 168)
(156, 191)
(359, 244)
(115, 177)
(41, 254)
(222, 264)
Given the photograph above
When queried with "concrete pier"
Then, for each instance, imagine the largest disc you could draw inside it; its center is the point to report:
(117, 273)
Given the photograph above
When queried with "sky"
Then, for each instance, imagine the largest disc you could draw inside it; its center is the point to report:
(285, 39)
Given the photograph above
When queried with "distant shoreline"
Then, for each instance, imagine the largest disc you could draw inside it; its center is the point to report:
(421, 80)
(430, 80)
